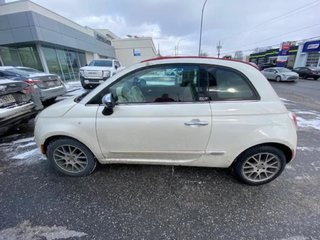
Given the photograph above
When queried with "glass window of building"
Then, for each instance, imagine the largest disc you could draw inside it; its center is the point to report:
(29, 57)
(52, 60)
(10, 56)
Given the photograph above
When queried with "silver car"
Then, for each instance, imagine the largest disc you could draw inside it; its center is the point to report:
(49, 85)
(280, 74)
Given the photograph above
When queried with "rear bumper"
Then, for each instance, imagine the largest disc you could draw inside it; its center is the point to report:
(53, 92)
(11, 116)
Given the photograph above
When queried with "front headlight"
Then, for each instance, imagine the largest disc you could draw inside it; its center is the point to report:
(81, 72)
(106, 73)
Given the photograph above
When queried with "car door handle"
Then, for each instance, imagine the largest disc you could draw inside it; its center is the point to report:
(196, 122)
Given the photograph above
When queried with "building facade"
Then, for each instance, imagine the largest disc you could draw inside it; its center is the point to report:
(272, 55)
(308, 54)
(133, 50)
(36, 37)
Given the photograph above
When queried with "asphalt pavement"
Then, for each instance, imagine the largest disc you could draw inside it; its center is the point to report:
(164, 202)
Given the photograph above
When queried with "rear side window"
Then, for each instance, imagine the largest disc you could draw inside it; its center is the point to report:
(226, 84)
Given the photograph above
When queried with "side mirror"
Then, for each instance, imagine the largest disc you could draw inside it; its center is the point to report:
(109, 103)
(108, 100)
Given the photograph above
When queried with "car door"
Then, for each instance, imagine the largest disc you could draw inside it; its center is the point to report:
(157, 117)
(267, 73)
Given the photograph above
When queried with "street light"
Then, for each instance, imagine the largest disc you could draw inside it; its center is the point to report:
(204, 4)
(177, 52)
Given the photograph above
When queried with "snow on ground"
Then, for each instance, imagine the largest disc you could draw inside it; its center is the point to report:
(26, 231)
(309, 123)
(21, 152)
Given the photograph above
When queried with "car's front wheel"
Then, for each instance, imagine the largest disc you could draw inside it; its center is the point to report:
(278, 78)
(84, 85)
(70, 157)
(260, 165)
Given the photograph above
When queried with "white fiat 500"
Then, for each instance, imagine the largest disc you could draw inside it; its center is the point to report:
(189, 111)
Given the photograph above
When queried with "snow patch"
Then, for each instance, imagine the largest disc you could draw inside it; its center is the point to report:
(286, 100)
(295, 238)
(307, 113)
(23, 140)
(310, 149)
(26, 231)
(27, 145)
(312, 123)
(25, 155)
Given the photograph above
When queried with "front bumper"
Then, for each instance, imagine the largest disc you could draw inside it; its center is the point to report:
(93, 81)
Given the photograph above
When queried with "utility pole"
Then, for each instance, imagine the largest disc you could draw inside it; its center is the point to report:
(219, 48)
(204, 4)
(158, 49)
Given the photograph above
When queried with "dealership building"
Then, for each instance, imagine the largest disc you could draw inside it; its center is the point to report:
(33, 36)
(295, 54)
(308, 54)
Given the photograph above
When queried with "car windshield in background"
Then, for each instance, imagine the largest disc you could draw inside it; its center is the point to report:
(101, 63)
(18, 71)
(32, 70)
(283, 70)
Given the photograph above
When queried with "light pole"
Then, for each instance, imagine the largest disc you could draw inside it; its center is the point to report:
(204, 4)
(177, 53)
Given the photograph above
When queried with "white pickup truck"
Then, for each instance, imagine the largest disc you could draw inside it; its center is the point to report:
(97, 71)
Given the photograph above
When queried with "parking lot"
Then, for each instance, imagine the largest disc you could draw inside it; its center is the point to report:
(164, 202)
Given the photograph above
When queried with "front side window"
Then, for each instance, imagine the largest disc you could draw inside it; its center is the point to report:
(158, 84)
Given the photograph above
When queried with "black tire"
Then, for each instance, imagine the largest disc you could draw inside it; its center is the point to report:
(278, 78)
(84, 85)
(315, 78)
(87, 164)
(271, 160)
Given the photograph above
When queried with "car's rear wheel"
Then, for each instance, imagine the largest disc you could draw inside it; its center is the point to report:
(71, 157)
(278, 78)
(260, 165)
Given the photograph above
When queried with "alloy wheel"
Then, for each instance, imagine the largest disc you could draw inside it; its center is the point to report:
(70, 158)
(261, 167)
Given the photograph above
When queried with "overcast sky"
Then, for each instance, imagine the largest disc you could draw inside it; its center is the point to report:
(239, 24)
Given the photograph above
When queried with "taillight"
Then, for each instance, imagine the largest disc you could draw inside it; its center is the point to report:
(32, 81)
(294, 119)
(28, 89)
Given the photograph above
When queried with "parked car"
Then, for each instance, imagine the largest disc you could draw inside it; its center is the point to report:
(280, 74)
(308, 72)
(16, 103)
(50, 86)
(97, 71)
(266, 65)
(215, 113)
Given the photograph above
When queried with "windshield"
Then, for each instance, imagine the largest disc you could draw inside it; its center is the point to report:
(81, 96)
(101, 63)
(32, 70)
(18, 71)
(283, 70)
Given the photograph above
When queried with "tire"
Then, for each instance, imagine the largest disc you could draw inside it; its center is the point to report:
(315, 78)
(259, 165)
(84, 85)
(70, 157)
(278, 78)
